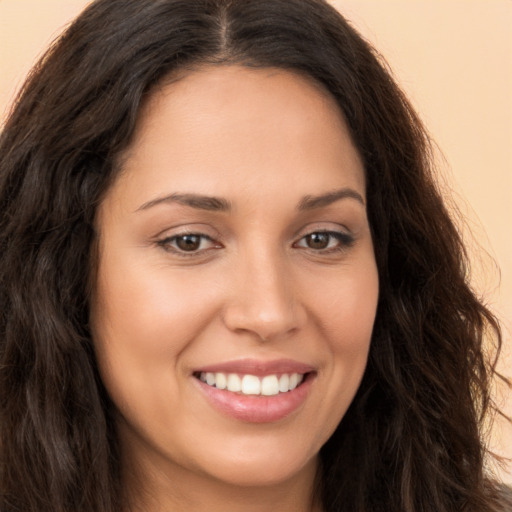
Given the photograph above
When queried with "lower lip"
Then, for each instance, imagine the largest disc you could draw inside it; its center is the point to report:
(257, 409)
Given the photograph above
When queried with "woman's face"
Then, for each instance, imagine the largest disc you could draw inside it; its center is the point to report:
(237, 283)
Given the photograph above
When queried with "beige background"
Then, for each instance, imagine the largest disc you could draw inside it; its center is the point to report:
(454, 60)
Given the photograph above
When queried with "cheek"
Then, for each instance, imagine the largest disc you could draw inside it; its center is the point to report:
(347, 309)
(143, 318)
(142, 322)
(346, 315)
(149, 309)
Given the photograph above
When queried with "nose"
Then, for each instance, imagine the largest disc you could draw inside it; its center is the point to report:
(264, 300)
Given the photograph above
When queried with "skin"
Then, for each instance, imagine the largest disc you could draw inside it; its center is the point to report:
(256, 286)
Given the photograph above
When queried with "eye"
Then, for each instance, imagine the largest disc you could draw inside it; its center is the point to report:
(326, 241)
(187, 243)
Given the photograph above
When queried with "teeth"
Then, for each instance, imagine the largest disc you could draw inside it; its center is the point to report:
(251, 385)
(234, 383)
(284, 383)
(269, 385)
(220, 380)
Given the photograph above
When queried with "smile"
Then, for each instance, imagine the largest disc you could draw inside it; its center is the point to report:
(256, 391)
(268, 385)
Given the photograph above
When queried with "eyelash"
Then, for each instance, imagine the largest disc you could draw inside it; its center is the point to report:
(345, 241)
(167, 244)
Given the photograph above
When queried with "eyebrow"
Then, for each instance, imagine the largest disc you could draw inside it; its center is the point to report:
(312, 202)
(218, 204)
(201, 202)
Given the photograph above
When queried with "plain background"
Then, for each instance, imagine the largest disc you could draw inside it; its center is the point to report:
(454, 60)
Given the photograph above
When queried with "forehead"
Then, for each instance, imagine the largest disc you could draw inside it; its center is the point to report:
(213, 87)
(232, 124)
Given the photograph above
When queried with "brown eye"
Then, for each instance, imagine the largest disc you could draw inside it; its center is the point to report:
(326, 241)
(188, 243)
(318, 241)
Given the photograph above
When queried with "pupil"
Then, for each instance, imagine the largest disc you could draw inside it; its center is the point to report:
(318, 240)
(188, 242)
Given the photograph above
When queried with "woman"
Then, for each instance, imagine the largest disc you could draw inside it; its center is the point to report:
(228, 279)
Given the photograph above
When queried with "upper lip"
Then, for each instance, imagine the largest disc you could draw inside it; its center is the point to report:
(257, 367)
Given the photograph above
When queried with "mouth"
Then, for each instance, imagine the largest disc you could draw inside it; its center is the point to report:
(254, 391)
(252, 385)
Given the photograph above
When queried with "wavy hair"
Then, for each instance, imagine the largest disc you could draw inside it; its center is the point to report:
(411, 440)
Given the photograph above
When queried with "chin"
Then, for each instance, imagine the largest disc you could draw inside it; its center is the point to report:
(268, 473)
(263, 466)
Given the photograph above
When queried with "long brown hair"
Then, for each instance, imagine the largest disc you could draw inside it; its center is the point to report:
(411, 440)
